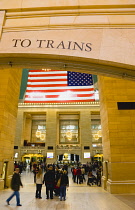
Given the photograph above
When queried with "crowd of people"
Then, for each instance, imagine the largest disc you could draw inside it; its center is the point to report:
(92, 171)
(55, 178)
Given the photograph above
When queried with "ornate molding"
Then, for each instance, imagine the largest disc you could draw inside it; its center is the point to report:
(23, 105)
(71, 17)
(2, 17)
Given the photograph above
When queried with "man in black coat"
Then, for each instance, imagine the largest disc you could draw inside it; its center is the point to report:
(15, 186)
(49, 179)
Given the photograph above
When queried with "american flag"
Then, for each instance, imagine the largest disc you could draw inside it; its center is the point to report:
(56, 86)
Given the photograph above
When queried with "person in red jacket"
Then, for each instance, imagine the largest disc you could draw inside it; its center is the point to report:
(78, 173)
(74, 174)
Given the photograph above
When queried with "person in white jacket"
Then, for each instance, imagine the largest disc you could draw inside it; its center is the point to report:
(39, 182)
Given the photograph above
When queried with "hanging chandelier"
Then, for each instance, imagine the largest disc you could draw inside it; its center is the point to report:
(97, 135)
(42, 136)
(69, 135)
(38, 134)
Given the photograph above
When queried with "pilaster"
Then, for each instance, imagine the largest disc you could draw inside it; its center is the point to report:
(9, 93)
(118, 128)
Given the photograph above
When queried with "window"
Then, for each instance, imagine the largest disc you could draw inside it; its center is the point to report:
(69, 131)
(96, 133)
(96, 129)
(38, 131)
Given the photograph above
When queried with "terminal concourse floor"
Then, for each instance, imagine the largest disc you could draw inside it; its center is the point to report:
(79, 197)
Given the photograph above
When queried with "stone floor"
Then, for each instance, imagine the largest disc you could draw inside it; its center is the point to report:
(79, 197)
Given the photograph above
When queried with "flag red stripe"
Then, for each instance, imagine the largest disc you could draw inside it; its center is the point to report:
(56, 96)
(46, 75)
(48, 85)
(46, 80)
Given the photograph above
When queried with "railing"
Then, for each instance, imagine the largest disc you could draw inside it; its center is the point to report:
(70, 146)
(32, 147)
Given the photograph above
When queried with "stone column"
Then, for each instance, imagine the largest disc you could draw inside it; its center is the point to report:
(118, 130)
(51, 133)
(27, 128)
(19, 134)
(10, 79)
(85, 133)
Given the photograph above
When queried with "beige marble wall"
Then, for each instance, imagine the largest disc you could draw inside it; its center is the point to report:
(9, 93)
(108, 27)
(118, 128)
(26, 4)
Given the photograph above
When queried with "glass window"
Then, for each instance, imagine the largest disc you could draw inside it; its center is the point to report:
(69, 131)
(96, 129)
(38, 131)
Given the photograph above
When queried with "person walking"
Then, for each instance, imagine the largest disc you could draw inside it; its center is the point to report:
(83, 173)
(64, 182)
(39, 182)
(49, 179)
(99, 176)
(15, 186)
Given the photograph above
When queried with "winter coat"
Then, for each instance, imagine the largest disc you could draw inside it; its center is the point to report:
(64, 180)
(16, 182)
(49, 177)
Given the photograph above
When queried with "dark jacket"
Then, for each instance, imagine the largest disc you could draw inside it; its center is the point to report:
(16, 182)
(49, 177)
(64, 180)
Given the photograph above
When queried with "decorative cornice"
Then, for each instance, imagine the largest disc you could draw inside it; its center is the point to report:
(94, 103)
(65, 26)
(73, 12)
(71, 18)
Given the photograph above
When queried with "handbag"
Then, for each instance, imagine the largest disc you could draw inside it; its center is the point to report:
(58, 182)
